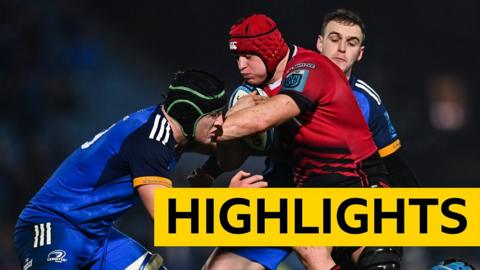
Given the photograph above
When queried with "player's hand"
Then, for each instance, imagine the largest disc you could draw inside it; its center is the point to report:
(244, 180)
(244, 102)
(315, 257)
(259, 99)
(200, 178)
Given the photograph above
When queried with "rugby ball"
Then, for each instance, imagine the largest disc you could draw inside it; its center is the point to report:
(261, 141)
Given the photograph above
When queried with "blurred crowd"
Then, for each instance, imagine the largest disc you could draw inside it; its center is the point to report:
(37, 96)
(55, 69)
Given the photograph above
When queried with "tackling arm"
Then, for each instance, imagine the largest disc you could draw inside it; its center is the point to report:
(272, 112)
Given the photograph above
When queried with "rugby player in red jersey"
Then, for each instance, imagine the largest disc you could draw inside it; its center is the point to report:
(332, 146)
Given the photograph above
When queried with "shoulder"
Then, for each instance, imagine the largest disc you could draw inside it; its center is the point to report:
(303, 58)
(142, 115)
(133, 122)
(116, 135)
(303, 61)
(366, 90)
(311, 63)
(154, 131)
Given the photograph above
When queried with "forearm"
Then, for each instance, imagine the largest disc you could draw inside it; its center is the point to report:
(315, 258)
(243, 123)
(258, 118)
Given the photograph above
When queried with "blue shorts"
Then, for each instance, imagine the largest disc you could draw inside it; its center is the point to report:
(59, 245)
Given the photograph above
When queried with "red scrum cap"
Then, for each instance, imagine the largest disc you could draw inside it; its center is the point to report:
(258, 34)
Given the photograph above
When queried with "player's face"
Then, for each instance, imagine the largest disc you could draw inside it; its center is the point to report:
(342, 44)
(252, 68)
(209, 127)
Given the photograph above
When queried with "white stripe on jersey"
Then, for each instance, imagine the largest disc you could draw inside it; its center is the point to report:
(42, 234)
(155, 126)
(35, 241)
(137, 263)
(275, 84)
(49, 233)
(167, 135)
(368, 86)
(294, 50)
(162, 129)
(377, 99)
(370, 90)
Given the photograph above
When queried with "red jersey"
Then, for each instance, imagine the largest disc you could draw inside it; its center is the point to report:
(333, 137)
(273, 88)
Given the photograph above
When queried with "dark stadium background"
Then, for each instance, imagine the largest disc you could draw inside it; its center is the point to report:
(71, 68)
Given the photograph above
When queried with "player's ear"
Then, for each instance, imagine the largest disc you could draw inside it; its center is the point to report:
(320, 43)
(360, 55)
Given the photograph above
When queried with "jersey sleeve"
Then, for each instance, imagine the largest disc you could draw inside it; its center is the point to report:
(364, 105)
(151, 161)
(384, 134)
(303, 83)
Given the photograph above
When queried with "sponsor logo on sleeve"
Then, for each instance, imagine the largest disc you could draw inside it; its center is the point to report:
(304, 65)
(28, 263)
(57, 256)
(296, 80)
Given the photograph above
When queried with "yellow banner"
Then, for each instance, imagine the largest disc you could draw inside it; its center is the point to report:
(317, 217)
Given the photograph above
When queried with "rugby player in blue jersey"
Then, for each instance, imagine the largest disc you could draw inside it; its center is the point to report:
(342, 41)
(68, 224)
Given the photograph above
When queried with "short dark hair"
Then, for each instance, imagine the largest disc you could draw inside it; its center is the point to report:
(344, 16)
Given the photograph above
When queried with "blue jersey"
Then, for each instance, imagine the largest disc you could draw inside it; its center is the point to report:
(96, 183)
(384, 134)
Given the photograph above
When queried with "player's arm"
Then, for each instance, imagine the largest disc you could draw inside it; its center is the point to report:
(246, 180)
(261, 117)
(400, 174)
(230, 156)
(301, 90)
(315, 257)
(246, 101)
(146, 186)
(147, 194)
(150, 163)
(385, 137)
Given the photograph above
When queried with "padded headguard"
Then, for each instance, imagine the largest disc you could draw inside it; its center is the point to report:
(193, 94)
(258, 34)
